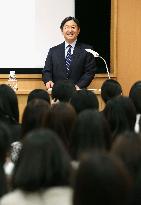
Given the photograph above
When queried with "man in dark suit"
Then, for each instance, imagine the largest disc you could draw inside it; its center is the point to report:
(80, 68)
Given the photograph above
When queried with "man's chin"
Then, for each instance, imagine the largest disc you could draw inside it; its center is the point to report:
(71, 39)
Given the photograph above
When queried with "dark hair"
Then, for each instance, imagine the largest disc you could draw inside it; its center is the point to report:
(4, 152)
(91, 131)
(135, 95)
(69, 19)
(122, 147)
(63, 90)
(4, 142)
(34, 115)
(9, 110)
(3, 182)
(109, 89)
(121, 115)
(135, 198)
(84, 99)
(42, 162)
(101, 179)
(38, 94)
(61, 119)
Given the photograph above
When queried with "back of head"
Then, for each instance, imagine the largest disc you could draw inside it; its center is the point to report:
(90, 132)
(63, 90)
(34, 115)
(109, 89)
(101, 179)
(61, 119)
(4, 142)
(122, 147)
(9, 110)
(42, 163)
(121, 114)
(38, 94)
(4, 153)
(84, 99)
(135, 95)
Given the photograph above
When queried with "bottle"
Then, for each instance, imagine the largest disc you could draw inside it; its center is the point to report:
(12, 81)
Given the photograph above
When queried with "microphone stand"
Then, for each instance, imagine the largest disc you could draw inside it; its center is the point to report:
(107, 70)
(96, 55)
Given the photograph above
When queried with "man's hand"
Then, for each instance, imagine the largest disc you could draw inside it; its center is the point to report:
(49, 84)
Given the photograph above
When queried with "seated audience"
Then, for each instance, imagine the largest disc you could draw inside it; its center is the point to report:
(90, 132)
(120, 113)
(63, 91)
(135, 95)
(135, 198)
(42, 172)
(127, 146)
(9, 111)
(101, 179)
(38, 94)
(84, 99)
(5, 164)
(33, 117)
(109, 89)
(61, 119)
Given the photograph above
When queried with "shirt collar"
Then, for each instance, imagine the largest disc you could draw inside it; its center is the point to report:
(72, 44)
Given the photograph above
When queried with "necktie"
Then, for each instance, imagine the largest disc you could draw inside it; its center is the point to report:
(68, 59)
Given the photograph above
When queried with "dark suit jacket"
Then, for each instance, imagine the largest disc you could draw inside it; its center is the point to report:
(82, 67)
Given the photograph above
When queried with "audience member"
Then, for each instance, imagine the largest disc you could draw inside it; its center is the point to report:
(135, 198)
(101, 179)
(61, 120)
(38, 94)
(33, 117)
(63, 91)
(127, 146)
(135, 95)
(42, 172)
(9, 111)
(4, 159)
(120, 113)
(109, 89)
(90, 132)
(84, 99)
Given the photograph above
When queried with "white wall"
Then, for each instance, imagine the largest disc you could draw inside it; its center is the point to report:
(28, 29)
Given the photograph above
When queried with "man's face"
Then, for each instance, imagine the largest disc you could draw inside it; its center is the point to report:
(70, 31)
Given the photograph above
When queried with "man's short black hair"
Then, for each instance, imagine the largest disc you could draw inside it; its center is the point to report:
(69, 18)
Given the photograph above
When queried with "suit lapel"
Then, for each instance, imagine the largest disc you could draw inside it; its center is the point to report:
(61, 57)
(61, 54)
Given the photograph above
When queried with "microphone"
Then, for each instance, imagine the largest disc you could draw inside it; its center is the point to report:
(96, 55)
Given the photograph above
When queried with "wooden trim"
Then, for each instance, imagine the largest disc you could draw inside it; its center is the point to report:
(39, 76)
(113, 38)
(105, 75)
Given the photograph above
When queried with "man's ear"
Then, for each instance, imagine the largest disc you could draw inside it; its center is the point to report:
(78, 30)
